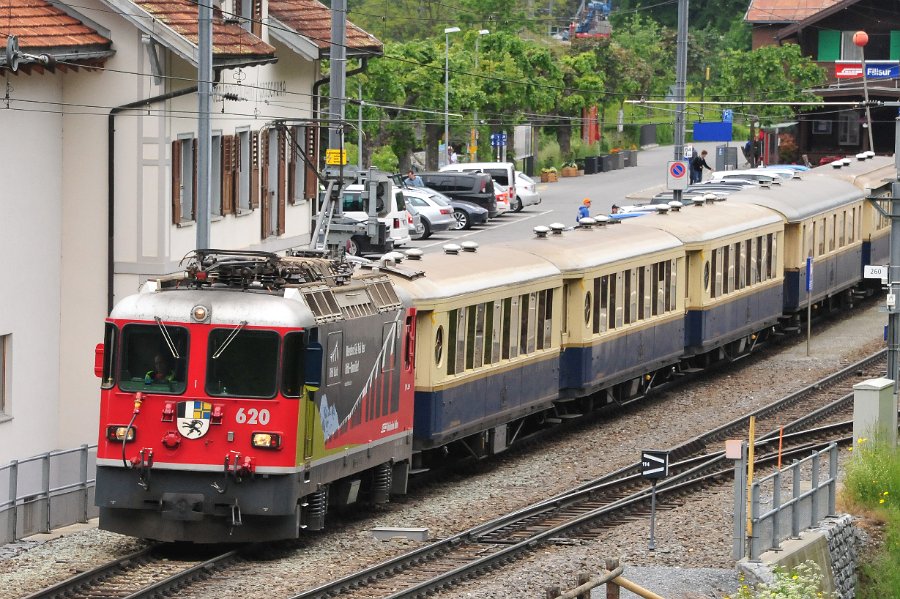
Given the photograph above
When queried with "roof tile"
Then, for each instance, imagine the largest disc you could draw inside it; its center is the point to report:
(312, 19)
(40, 25)
(784, 11)
(229, 39)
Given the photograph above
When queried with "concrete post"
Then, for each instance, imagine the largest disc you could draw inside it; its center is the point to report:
(874, 412)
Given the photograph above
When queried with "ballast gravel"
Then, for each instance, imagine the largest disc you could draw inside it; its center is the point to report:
(692, 559)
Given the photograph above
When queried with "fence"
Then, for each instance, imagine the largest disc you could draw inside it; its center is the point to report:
(47, 491)
(813, 484)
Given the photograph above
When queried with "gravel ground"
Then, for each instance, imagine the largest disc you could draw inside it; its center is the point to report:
(693, 555)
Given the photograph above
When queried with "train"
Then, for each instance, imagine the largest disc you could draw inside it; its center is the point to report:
(246, 397)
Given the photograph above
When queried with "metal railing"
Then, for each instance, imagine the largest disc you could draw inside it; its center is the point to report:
(47, 491)
(813, 483)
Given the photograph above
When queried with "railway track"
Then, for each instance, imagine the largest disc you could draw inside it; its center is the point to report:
(801, 422)
(151, 572)
(582, 512)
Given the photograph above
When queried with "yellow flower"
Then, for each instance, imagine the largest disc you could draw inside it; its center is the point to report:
(849, 449)
(881, 501)
(885, 493)
(861, 440)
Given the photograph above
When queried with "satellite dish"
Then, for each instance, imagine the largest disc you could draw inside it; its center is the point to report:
(12, 52)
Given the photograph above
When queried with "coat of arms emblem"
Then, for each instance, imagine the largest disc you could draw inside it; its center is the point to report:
(193, 418)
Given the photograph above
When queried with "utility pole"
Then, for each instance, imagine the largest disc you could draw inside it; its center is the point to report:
(337, 77)
(204, 149)
(893, 365)
(680, 80)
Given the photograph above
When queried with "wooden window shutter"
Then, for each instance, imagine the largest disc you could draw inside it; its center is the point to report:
(282, 179)
(293, 157)
(254, 170)
(176, 182)
(194, 180)
(256, 27)
(228, 173)
(266, 204)
(829, 45)
(311, 186)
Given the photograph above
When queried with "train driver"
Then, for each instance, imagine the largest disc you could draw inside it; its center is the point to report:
(161, 372)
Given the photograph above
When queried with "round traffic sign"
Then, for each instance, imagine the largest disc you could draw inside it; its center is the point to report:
(677, 170)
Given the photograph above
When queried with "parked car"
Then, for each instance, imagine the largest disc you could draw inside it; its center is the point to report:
(526, 192)
(465, 214)
(394, 216)
(472, 187)
(503, 173)
(502, 193)
(435, 214)
(416, 226)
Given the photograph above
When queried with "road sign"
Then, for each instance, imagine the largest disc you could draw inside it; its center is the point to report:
(876, 272)
(688, 152)
(498, 140)
(654, 464)
(809, 274)
(677, 175)
(335, 157)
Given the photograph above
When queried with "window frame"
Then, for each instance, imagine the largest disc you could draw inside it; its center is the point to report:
(5, 376)
(244, 172)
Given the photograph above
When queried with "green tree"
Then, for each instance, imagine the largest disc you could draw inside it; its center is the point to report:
(770, 73)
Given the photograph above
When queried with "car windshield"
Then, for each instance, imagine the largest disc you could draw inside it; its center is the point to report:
(154, 358)
(242, 363)
(439, 200)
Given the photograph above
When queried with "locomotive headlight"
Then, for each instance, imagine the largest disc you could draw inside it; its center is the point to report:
(117, 433)
(266, 440)
(199, 313)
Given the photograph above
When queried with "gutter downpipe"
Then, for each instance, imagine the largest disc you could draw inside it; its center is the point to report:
(111, 181)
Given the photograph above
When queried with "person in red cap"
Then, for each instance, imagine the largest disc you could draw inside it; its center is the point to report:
(584, 210)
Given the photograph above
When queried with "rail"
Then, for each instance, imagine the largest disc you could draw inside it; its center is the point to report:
(47, 491)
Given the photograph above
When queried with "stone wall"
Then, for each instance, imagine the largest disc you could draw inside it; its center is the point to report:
(832, 545)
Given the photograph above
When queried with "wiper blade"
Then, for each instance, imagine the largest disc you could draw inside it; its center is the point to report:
(165, 333)
(229, 339)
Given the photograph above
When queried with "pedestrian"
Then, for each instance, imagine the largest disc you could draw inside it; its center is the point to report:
(614, 209)
(698, 163)
(584, 210)
(452, 155)
(414, 180)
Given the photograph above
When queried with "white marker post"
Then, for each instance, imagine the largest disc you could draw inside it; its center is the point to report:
(654, 465)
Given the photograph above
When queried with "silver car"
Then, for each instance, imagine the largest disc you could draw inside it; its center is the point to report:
(435, 212)
(526, 192)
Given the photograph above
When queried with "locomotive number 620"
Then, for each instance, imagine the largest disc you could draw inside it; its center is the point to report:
(252, 416)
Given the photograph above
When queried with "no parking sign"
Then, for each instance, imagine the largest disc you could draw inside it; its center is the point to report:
(677, 175)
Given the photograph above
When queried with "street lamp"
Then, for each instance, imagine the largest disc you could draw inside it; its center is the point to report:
(474, 137)
(861, 38)
(447, 33)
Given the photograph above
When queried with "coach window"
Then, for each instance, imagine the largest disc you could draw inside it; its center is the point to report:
(718, 271)
(110, 349)
(746, 247)
(439, 345)
(292, 367)
(475, 337)
(851, 225)
(643, 303)
(831, 225)
(511, 310)
(601, 288)
(672, 289)
(495, 313)
(545, 319)
(243, 363)
(527, 323)
(842, 229)
(753, 260)
(770, 256)
(820, 236)
(154, 358)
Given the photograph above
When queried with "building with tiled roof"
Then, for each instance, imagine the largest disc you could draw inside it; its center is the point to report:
(824, 30)
(53, 30)
(100, 185)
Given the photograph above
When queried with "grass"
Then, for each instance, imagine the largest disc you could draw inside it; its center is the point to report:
(872, 486)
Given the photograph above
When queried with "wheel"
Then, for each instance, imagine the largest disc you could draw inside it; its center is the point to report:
(462, 219)
(353, 247)
(518, 205)
(427, 232)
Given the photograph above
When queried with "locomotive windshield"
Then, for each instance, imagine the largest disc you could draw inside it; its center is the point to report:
(242, 363)
(154, 358)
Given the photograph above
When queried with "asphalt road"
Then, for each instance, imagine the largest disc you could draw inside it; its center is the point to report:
(560, 200)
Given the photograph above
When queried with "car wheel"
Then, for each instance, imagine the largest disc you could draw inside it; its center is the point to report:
(353, 247)
(518, 207)
(427, 232)
(462, 219)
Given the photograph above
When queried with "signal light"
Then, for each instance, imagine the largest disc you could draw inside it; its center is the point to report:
(266, 440)
(116, 432)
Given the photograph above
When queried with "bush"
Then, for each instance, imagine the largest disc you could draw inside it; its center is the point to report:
(802, 582)
(880, 575)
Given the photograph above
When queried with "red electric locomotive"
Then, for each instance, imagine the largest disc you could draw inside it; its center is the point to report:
(242, 398)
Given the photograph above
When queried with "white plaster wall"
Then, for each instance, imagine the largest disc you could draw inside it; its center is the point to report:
(85, 211)
(31, 206)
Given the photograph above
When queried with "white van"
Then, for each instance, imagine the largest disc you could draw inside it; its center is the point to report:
(395, 218)
(501, 172)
